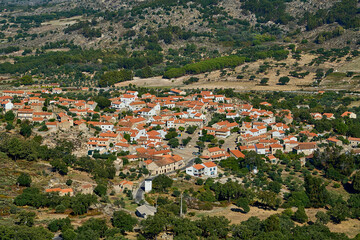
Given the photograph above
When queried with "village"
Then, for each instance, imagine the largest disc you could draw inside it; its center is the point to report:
(168, 134)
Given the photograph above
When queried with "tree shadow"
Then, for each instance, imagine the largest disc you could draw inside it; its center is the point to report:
(238, 210)
(349, 188)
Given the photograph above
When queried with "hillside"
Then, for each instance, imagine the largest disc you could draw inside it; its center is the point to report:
(76, 42)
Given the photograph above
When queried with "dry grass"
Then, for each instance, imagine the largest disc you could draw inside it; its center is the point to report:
(350, 227)
(62, 22)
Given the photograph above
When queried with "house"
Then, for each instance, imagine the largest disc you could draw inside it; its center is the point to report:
(25, 113)
(266, 104)
(14, 93)
(208, 169)
(354, 142)
(215, 153)
(273, 159)
(237, 154)
(128, 98)
(6, 105)
(329, 116)
(260, 148)
(145, 210)
(62, 192)
(86, 189)
(306, 147)
(177, 92)
(219, 98)
(276, 147)
(124, 184)
(349, 114)
(164, 164)
(56, 90)
(317, 116)
(334, 141)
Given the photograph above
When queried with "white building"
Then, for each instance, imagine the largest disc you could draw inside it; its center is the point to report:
(208, 169)
(105, 127)
(148, 185)
(7, 105)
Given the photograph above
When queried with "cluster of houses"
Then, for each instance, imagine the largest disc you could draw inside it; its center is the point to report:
(141, 134)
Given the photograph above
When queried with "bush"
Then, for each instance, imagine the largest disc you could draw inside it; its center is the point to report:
(264, 81)
(100, 190)
(199, 181)
(176, 193)
(69, 182)
(24, 180)
(284, 80)
(300, 215)
(191, 80)
(60, 208)
(322, 217)
(205, 206)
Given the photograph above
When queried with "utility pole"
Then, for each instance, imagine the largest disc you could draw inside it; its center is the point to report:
(181, 205)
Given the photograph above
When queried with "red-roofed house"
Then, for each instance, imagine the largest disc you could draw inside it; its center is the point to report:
(215, 153)
(208, 169)
(62, 192)
(348, 114)
(236, 153)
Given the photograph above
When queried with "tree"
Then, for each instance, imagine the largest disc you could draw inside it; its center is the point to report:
(69, 182)
(244, 204)
(60, 166)
(269, 199)
(185, 141)
(174, 142)
(9, 116)
(124, 221)
(96, 226)
(199, 182)
(26, 80)
(24, 233)
(69, 234)
(26, 130)
(26, 218)
(356, 181)
(298, 199)
(322, 217)
(284, 80)
(9, 126)
(198, 161)
(60, 208)
(316, 191)
(102, 102)
(272, 224)
(81, 202)
(153, 225)
(185, 229)
(339, 212)
(275, 187)
(214, 227)
(60, 224)
(112, 77)
(300, 215)
(264, 81)
(24, 180)
(161, 183)
(100, 190)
